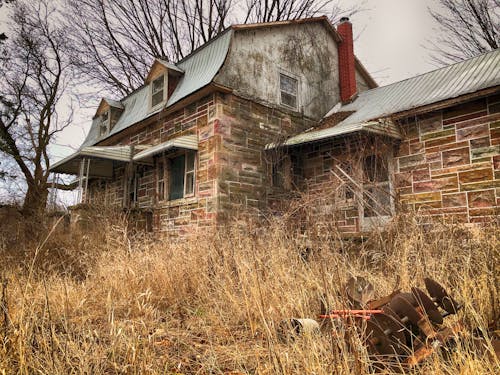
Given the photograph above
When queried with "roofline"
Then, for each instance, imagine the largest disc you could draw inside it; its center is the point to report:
(206, 90)
(365, 74)
(441, 104)
(196, 50)
(443, 67)
(323, 19)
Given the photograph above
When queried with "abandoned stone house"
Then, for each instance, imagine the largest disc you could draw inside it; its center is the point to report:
(266, 110)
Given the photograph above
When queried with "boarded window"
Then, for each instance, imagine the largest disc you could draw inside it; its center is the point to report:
(157, 91)
(288, 90)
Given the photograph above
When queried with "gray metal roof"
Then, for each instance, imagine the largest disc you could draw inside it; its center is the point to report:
(462, 78)
(199, 69)
(446, 83)
(189, 142)
(170, 66)
(114, 103)
(103, 157)
(382, 127)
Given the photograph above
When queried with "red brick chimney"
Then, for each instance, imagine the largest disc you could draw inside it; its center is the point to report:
(347, 72)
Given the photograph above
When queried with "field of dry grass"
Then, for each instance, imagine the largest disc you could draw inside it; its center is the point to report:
(107, 301)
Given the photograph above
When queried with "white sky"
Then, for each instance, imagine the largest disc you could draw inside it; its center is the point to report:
(390, 41)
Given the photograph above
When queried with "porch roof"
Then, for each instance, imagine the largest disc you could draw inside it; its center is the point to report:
(381, 127)
(189, 142)
(102, 160)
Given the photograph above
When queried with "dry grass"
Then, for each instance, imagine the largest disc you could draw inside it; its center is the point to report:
(106, 302)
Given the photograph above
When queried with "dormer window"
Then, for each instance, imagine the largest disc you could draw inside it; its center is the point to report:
(157, 91)
(104, 123)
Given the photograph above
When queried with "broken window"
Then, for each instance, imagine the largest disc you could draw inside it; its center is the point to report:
(288, 90)
(157, 91)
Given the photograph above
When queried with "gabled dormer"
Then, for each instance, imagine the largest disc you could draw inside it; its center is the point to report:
(107, 114)
(162, 80)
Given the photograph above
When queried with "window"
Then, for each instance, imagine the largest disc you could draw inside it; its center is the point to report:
(376, 194)
(180, 176)
(157, 91)
(288, 90)
(160, 189)
(104, 123)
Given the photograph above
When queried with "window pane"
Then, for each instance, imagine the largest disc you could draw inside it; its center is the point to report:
(161, 183)
(288, 84)
(157, 98)
(288, 100)
(375, 169)
(177, 177)
(190, 161)
(158, 85)
(189, 183)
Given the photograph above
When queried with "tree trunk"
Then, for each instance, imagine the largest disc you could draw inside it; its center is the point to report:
(35, 200)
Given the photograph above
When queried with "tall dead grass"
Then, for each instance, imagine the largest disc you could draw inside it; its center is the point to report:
(108, 302)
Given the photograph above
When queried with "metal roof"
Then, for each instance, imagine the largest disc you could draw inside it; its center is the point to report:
(189, 142)
(446, 83)
(103, 157)
(382, 127)
(371, 106)
(113, 103)
(170, 66)
(199, 69)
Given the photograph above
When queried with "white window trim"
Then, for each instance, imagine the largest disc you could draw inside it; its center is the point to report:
(165, 89)
(193, 171)
(166, 176)
(296, 77)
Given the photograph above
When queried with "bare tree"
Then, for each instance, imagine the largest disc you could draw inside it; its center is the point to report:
(466, 28)
(32, 83)
(115, 41)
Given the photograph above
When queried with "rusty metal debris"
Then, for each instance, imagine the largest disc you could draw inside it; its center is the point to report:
(401, 329)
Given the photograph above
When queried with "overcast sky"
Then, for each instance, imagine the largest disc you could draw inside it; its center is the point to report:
(391, 36)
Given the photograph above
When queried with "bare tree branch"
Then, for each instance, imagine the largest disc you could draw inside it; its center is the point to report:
(115, 41)
(465, 28)
(34, 81)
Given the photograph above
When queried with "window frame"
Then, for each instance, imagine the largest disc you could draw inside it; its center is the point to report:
(295, 77)
(104, 124)
(163, 78)
(166, 160)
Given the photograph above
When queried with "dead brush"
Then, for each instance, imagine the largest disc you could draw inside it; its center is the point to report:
(212, 303)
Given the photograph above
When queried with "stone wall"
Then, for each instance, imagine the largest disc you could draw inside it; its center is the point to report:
(327, 197)
(448, 166)
(232, 171)
(179, 216)
(242, 130)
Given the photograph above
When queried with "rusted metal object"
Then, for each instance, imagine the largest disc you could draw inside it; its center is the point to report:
(399, 330)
